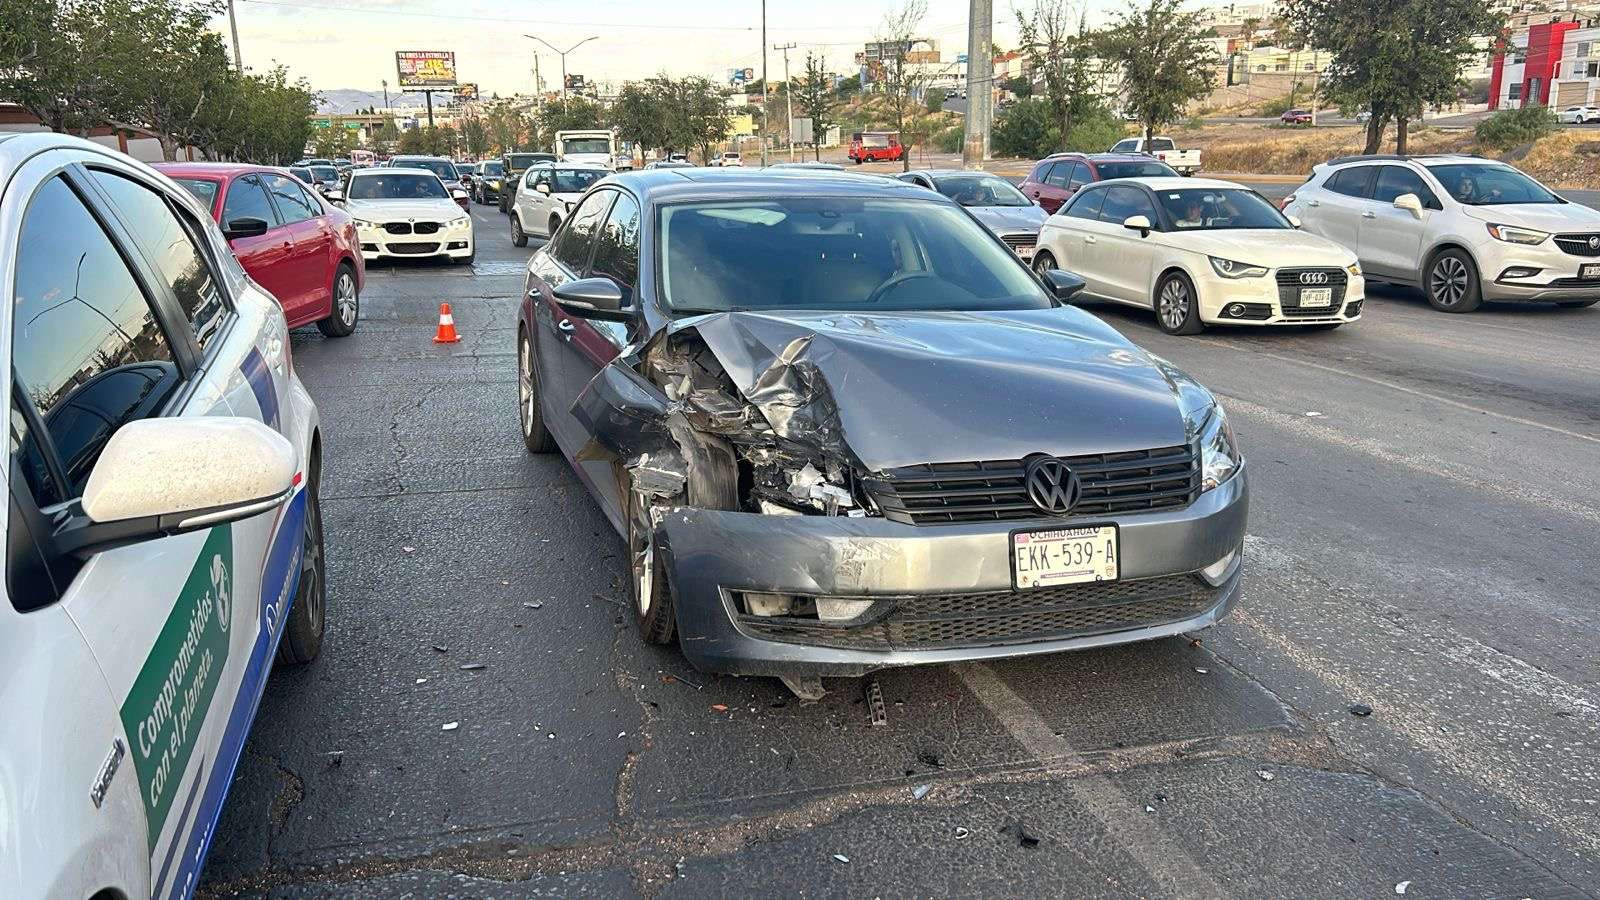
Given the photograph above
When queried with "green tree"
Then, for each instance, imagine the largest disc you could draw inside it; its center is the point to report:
(170, 67)
(414, 140)
(53, 62)
(816, 99)
(638, 115)
(1058, 46)
(1020, 86)
(476, 136)
(574, 113)
(902, 81)
(1164, 58)
(1393, 58)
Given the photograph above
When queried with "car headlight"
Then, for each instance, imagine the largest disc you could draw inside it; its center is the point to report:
(1219, 451)
(1354, 268)
(460, 222)
(363, 223)
(1513, 235)
(1227, 268)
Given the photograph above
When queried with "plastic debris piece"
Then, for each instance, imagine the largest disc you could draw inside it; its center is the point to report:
(720, 707)
(421, 680)
(1313, 415)
(875, 709)
(1148, 808)
(808, 688)
(450, 726)
(335, 758)
(1202, 670)
(1264, 775)
(961, 833)
(408, 549)
(1401, 887)
(1025, 837)
(533, 604)
(920, 791)
(841, 857)
(929, 758)
(472, 667)
(441, 648)
(1360, 709)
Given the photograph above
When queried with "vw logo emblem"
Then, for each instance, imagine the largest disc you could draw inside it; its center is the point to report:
(1052, 486)
(1313, 277)
(1594, 242)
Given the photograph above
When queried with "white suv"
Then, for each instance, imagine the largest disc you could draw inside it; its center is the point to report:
(1461, 228)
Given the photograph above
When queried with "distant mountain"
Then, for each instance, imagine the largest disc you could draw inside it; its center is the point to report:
(347, 100)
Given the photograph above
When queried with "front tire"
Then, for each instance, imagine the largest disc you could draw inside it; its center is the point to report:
(1043, 262)
(1452, 284)
(1177, 305)
(345, 307)
(519, 237)
(303, 631)
(535, 436)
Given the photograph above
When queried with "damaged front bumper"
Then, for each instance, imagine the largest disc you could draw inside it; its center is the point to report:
(939, 593)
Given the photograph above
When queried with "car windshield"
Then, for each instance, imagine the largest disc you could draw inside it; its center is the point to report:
(1160, 144)
(203, 190)
(574, 181)
(586, 145)
(875, 140)
(397, 186)
(325, 173)
(1142, 169)
(1483, 184)
(980, 190)
(1196, 209)
(836, 253)
(494, 168)
(302, 173)
(523, 160)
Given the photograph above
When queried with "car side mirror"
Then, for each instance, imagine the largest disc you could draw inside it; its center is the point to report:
(171, 475)
(458, 194)
(593, 298)
(245, 227)
(333, 195)
(1410, 203)
(1295, 221)
(1140, 224)
(1064, 286)
(542, 188)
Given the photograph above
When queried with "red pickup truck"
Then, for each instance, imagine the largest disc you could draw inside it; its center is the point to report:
(876, 145)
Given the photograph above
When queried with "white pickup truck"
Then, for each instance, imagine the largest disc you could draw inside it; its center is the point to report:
(1185, 162)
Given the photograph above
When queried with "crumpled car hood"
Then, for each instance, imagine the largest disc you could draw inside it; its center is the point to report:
(899, 389)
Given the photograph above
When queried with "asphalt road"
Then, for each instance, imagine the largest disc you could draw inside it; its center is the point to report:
(1426, 495)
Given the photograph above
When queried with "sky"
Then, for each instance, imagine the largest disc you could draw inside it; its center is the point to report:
(351, 43)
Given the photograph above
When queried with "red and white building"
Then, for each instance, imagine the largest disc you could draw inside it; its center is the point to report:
(1555, 64)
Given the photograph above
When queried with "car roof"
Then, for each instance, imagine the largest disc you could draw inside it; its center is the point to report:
(422, 156)
(1428, 159)
(1176, 182)
(391, 170)
(1101, 157)
(662, 185)
(942, 173)
(209, 169)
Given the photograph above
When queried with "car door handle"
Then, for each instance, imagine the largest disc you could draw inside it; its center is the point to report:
(565, 327)
(1313, 203)
(1088, 239)
(1369, 214)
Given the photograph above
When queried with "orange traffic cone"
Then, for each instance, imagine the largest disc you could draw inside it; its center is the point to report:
(447, 327)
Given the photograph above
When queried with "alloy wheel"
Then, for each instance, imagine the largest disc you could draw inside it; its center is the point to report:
(344, 298)
(525, 392)
(1448, 282)
(1174, 304)
(311, 566)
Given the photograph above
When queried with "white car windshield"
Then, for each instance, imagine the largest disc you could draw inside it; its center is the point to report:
(574, 181)
(586, 145)
(1482, 184)
(1197, 209)
(397, 186)
(836, 253)
(980, 190)
(442, 168)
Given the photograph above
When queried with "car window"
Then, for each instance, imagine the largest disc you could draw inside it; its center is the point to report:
(397, 186)
(1159, 144)
(1144, 168)
(1396, 180)
(1086, 205)
(1490, 184)
(301, 173)
(536, 177)
(981, 189)
(1198, 209)
(86, 348)
(572, 242)
(294, 205)
(1125, 146)
(203, 189)
(1080, 176)
(493, 167)
(1352, 182)
(179, 262)
(1039, 172)
(616, 249)
(1122, 202)
(1059, 173)
(575, 181)
(247, 199)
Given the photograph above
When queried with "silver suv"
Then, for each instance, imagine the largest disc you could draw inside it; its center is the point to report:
(1461, 228)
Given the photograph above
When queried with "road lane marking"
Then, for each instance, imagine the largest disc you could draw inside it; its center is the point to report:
(1298, 361)
(1135, 833)
(1319, 429)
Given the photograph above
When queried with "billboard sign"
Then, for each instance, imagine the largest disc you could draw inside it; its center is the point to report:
(467, 91)
(426, 68)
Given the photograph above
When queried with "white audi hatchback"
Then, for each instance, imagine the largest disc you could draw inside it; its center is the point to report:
(1200, 252)
(164, 542)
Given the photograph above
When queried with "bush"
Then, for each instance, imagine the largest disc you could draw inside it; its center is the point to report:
(1275, 107)
(1514, 127)
(934, 99)
(949, 140)
(1095, 131)
(1028, 129)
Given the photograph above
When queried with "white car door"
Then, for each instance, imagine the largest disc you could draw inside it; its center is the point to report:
(177, 625)
(1071, 236)
(1124, 255)
(1335, 210)
(1391, 239)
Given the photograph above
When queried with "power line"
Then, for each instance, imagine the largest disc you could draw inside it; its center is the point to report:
(646, 26)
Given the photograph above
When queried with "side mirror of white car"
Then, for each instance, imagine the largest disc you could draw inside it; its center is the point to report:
(1140, 224)
(166, 476)
(1410, 203)
(542, 188)
(1295, 221)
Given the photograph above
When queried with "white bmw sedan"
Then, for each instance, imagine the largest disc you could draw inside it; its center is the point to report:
(1200, 252)
(407, 213)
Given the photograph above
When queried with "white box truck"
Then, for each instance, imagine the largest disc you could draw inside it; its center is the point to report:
(598, 146)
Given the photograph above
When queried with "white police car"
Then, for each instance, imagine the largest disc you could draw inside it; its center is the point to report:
(162, 537)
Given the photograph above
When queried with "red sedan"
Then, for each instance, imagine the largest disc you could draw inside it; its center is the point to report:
(303, 251)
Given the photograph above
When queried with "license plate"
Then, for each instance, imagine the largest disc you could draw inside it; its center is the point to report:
(1316, 296)
(1025, 251)
(1592, 270)
(1064, 556)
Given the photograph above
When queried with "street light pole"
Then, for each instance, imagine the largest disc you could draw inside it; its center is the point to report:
(788, 93)
(762, 135)
(563, 54)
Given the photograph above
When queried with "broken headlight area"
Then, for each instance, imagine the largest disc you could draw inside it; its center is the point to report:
(776, 483)
(841, 612)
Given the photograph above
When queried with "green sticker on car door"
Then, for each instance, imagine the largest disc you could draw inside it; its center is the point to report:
(165, 709)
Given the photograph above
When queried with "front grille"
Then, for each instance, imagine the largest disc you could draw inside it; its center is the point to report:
(1577, 244)
(413, 248)
(937, 493)
(397, 227)
(1572, 283)
(1003, 617)
(427, 227)
(1018, 241)
(1289, 292)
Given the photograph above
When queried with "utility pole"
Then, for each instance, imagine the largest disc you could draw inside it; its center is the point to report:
(385, 83)
(233, 26)
(563, 55)
(1316, 83)
(788, 92)
(980, 76)
(763, 133)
